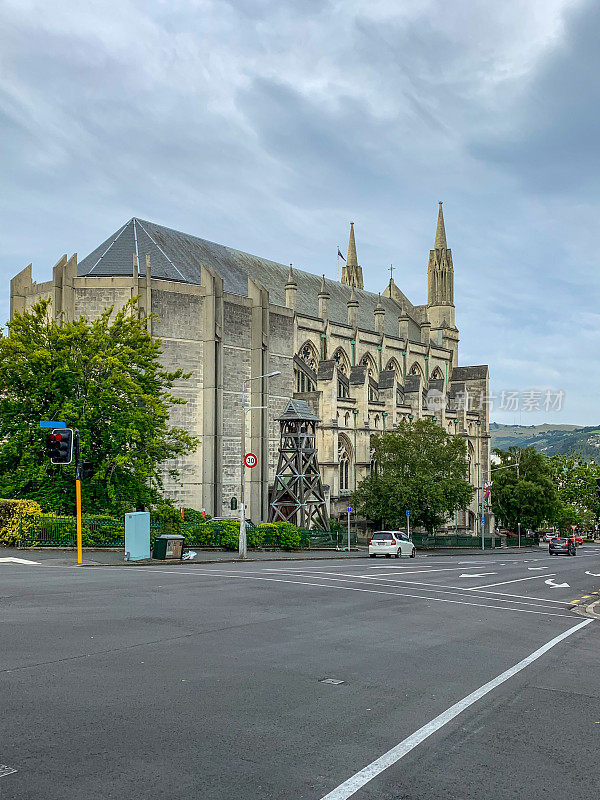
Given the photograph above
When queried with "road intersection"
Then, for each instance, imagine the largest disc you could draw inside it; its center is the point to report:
(439, 677)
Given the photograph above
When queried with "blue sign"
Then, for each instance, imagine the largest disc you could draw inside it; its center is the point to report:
(407, 513)
(483, 520)
(349, 509)
(44, 423)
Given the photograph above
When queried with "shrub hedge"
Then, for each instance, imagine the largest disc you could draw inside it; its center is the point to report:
(17, 518)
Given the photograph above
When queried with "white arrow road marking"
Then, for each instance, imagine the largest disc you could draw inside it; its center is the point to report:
(550, 582)
(4, 770)
(476, 574)
(594, 574)
(536, 568)
(13, 560)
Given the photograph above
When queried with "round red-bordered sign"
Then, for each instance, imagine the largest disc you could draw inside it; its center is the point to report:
(250, 460)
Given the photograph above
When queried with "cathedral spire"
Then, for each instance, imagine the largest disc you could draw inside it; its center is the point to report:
(352, 272)
(352, 260)
(440, 279)
(440, 233)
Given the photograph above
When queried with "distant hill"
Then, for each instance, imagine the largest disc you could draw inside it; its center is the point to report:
(549, 439)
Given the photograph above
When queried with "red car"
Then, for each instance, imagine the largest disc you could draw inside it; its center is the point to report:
(577, 538)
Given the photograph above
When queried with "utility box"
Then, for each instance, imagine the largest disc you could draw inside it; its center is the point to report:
(137, 535)
(168, 546)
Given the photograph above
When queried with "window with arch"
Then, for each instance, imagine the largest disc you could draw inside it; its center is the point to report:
(344, 462)
(415, 370)
(341, 359)
(395, 366)
(308, 354)
(305, 371)
(376, 420)
(373, 390)
(436, 375)
(343, 388)
(347, 419)
(368, 362)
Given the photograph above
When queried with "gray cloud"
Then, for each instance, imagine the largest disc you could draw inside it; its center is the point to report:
(268, 126)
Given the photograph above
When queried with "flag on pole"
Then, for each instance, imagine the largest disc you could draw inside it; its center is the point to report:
(340, 255)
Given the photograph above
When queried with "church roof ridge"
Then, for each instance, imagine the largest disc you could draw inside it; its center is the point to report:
(179, 256)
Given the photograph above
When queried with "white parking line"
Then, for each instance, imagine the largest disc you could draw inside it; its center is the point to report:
(359, 779)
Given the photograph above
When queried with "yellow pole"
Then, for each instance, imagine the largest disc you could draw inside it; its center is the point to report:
(78, 499)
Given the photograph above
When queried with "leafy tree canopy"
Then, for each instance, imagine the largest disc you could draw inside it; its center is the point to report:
(102, 377)
(420, 468)
(525, 495)
(577, 490)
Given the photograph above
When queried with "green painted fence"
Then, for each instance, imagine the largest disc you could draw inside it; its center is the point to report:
(426, 542)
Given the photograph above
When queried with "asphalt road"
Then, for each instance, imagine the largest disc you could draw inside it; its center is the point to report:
(206, 681)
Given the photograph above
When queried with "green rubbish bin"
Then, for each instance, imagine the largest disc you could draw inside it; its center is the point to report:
(167, 546)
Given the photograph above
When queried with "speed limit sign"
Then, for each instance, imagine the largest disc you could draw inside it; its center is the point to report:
(250, 460)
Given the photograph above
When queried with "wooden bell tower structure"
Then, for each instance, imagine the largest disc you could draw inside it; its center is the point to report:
(297, 493)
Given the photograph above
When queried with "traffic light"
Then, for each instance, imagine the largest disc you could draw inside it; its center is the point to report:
(60, 446)
(87, 470)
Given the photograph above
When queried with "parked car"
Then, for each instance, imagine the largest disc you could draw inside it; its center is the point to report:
(548, 536)
(577, 538)
(391, 543)
(560, 544)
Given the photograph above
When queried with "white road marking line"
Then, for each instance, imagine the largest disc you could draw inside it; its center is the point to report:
(356, 589)
(550, 582)
(441, 589)
(502, 583)
(13, 560)
(595, 574)
(534, 569)
(476, 574)
(4, 770)
(359, 779)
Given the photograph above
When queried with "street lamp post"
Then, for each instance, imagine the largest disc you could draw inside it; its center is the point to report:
(242, 545)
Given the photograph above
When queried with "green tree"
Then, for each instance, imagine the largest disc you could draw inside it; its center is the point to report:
(102, 377)
(420, 468)
(525, 495)
(575, 481)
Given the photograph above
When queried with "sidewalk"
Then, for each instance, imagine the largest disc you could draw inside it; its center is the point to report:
(114, 558)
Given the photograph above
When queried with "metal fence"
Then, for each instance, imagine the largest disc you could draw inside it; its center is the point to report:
(426, 542)
(101, 532)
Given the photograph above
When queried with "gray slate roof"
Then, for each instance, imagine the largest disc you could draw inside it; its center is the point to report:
(178, 256)
(298, 410)
(473, 373)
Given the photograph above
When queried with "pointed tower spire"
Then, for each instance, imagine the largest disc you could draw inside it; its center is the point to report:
(440, 233)
(440, 279)
(352, 260)
(352, 272)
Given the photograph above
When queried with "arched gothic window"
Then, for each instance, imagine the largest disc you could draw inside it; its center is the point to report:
(344, 462)
(393, 364)
(341, 359)
(347, 418)
(436, 375)
(308, 354)
(376, 420)
(303, 380)
(373, 393)
(415, 370)
(367, 361)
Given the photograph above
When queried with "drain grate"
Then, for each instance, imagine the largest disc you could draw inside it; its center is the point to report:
(331, 681)
(4, 770)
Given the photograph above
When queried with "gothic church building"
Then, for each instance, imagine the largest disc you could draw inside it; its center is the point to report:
(362, 361)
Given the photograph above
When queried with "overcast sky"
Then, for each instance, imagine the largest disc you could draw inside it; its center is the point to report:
(268, 125)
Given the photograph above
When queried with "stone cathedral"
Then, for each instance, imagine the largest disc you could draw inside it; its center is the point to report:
(362, 361)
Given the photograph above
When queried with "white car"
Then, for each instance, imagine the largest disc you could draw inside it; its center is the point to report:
(391, 543)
